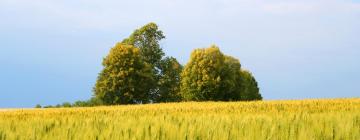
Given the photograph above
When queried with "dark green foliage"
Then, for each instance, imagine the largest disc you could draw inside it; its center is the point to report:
(230, 81)
(66, 104)
(169, 80)
(49, 106)
(88, 103)
(166, 71)
(38, 106)
(250, 90)
(147, 39)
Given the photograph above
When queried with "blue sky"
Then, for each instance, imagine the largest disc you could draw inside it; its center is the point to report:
(51, 51)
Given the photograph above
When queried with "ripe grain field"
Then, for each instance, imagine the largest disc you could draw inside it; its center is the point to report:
(297, 119)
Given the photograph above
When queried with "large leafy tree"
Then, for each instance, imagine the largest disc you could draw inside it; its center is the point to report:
(126, 78)
(147, 39)
(211, 75)
(201, 77)
(166, 71)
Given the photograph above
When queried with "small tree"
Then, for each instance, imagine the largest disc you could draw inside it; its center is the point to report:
(126, 78)
(38, 106)
(66, 104)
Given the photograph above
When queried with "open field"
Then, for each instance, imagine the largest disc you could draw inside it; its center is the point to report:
(301, 119)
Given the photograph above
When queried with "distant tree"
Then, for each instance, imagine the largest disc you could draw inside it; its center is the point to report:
(49, 106)
(94, 102)
(88, 103)
(80, 104)
(66, 104)
(125, 78)
(38, 106)
(250, 89)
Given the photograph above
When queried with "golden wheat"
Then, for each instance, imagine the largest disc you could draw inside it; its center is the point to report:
(298, 119)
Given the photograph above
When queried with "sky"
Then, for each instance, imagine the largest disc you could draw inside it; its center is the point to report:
(51, 51)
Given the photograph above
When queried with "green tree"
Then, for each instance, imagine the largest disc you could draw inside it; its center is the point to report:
(250, 89)
(166, 71)
(230, 81)
(38, 106)
(169, 81)
(211, 75)
(147, 39)
(66, 104)
(201, 77)
(88, 103)
(125, 78)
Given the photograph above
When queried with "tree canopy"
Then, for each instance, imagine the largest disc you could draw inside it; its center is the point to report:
(141, 76)
(147, 39)
(211, 75)
(126, 78)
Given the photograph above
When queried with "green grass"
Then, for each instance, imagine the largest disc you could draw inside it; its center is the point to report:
(302, 119)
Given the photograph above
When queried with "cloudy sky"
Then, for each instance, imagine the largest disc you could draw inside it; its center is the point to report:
(51, 50)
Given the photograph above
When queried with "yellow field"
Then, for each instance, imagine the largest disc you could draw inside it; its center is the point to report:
(302, 119)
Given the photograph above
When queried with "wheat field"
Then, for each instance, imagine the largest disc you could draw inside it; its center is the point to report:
(274, 120)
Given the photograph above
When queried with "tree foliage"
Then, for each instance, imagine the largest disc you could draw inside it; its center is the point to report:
(169, 80)
(250, 90)
(137, 71)
(201, 77)
(166, 71)
(126, 78)
(147, 39)
(211, 75)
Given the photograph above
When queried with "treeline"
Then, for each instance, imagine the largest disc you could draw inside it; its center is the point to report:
(136, 71)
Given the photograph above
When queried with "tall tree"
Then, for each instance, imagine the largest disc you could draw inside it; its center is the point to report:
(165, 70)
(147, 39)
(125, 78)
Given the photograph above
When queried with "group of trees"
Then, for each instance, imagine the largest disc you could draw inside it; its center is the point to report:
(87, 103)
(137, 71)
